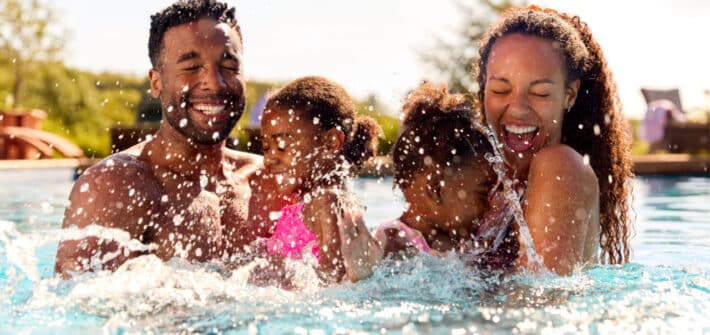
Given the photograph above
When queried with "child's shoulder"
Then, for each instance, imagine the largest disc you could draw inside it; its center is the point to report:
(332, 199)
(322, 199)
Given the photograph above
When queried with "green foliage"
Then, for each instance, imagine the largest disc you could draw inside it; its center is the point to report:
(80, 106)
(453, 58)
(83, 106)
(390, 125)
(29, 36)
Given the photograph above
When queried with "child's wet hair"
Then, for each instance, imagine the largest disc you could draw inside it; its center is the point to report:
(438, 129)
(332, 107)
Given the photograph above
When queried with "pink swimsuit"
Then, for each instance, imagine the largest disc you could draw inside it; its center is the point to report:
(291, 234)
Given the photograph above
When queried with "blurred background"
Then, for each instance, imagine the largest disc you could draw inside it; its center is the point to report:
(75, 72)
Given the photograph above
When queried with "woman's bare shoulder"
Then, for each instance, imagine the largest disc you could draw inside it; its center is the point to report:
(562, 162)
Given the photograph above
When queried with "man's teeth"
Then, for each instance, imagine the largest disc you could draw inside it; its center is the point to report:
(210, 109)
(520, 130)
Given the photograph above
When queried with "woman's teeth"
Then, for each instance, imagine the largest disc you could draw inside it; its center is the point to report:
(518, 130)
(209, 109)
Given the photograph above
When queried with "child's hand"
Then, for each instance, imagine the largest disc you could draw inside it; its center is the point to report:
(359, 249)
(346, 246)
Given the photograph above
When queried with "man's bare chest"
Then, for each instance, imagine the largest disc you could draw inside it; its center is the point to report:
(192, 221)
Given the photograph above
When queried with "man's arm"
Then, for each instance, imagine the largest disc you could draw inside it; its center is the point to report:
(110, 205)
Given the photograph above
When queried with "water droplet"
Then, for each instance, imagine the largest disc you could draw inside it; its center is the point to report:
(273, 122)
(183, 123)
(203, 181)
(275, 215)
(170, 109)
(198, 157)
(282, 144)
(185, 88)
(164, 198)
(183, 105)
(316, 120)
(131, 192)
(421, 151)
(215, 135)
(279, 179)
(370, 108)
(84, 187)
(585, 159)
(110, 162)
(307, 198)
(428, 161)
(580, 126)
(177, 220)
(597, 130)
(417, 139)
(198, 252)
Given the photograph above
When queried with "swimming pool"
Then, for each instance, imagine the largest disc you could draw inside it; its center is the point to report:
(665, 288)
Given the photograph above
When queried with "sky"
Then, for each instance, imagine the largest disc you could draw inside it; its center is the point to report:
(373, 46)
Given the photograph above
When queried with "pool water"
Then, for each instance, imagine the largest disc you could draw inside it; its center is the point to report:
(665, 288)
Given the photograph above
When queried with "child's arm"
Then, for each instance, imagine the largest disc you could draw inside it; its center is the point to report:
(346, 247)
(399, 240)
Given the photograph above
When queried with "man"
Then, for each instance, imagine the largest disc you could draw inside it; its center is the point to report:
(181, 193)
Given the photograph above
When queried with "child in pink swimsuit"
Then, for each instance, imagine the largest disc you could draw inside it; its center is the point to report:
(440, 166)
(312, 142)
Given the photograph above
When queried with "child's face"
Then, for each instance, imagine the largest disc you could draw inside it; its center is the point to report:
(457, 205)
(291, 146)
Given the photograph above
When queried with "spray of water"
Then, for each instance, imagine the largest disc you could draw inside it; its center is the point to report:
(534, 260)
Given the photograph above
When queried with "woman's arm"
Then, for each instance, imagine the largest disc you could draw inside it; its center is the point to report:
(561, 208)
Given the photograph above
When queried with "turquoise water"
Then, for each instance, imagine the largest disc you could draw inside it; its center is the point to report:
(665, 288)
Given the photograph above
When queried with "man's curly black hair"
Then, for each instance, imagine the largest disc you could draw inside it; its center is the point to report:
(184, 11)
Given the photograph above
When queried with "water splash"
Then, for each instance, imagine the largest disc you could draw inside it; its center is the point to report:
(534, 260)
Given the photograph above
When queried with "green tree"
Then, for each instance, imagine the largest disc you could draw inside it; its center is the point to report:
(29, 35)
(453, 58)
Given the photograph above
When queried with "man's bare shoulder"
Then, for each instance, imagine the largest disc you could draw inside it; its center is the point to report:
(125, 164)
(110, 192)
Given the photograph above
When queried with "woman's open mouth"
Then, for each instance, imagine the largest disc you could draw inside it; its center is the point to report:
(519, 138)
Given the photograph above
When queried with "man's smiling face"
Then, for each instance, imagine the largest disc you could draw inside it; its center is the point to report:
(200, 80)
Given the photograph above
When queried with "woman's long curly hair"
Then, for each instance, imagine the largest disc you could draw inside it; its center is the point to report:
(594, 126)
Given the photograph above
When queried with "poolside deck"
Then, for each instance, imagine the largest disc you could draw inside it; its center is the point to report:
(671, 164)
(657, 164)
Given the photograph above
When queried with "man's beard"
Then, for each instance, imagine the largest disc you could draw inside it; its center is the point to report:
(178, 116)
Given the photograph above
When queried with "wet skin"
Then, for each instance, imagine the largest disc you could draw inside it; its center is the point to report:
(182, 192)
(304, 157)
(525, 99)
(446, 205)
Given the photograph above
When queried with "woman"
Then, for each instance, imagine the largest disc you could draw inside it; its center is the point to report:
(549, 97)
